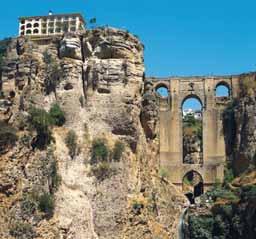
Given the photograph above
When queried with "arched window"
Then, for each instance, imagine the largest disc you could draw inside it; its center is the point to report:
(192, 126)
(162, 91)
(222, 90)
(36, 31)
(29, 25)
(28, 32)
(192, 185)
(22, 27)
(36, 24)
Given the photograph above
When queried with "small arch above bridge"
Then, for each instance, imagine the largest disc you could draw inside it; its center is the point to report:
(162, 91)
(222, 89)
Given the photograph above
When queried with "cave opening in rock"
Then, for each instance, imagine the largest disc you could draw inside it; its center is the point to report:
(192, 130)
(192, 185)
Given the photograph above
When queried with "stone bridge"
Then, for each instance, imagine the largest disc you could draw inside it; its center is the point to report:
(171, 135)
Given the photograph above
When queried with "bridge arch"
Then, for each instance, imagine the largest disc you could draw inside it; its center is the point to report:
(192, 130)
(192, 185)
(162, 90)
(222, 89)
(191, 96)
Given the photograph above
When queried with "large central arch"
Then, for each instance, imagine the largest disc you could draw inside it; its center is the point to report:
(192, 129)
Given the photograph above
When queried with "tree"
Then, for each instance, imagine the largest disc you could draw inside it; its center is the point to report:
(100, 151)
(71, 143)
(57, 115)
(41, 121)
(93, 22)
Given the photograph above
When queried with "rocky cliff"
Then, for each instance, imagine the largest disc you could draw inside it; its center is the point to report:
(94, 174)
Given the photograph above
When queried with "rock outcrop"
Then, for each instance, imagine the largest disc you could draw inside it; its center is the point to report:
(97, 79)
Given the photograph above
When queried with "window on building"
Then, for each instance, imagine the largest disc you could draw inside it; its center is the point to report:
(50, 24)
(58, 24)
(44, 25)
(44, 31)
(57, 30)
(50, 30)
(36, 24)
(36, 31)
(22, 21)
(73, 23)
(22, 33)
(28, 32)
(29, 25)
(22, 27)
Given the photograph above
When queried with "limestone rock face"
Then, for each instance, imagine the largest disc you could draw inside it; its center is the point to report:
(97, 78)
(149, 113)
(239, 125)
(70, 46)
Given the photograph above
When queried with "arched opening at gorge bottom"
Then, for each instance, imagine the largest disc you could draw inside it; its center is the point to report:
(192, 185)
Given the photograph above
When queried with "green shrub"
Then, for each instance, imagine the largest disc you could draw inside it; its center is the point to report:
(248, 192)
(53, 72)
(41, 121)
(55, 177)
(163, 173)
(25, 140)
(100, 151)
(28, 205)
(8, 136)
(102, 170)
(201, 227)
(57, 115)
(81, 100)
(118, 150)
(221, 227)
(71, 143)
(46, 203)
(228, 175)
(225, 210)
(22, 230)
(137, 207)
(222, 193)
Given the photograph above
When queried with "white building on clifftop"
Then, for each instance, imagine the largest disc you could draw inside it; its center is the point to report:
(53, 24)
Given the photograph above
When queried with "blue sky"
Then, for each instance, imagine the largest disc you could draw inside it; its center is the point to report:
(182, 37)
